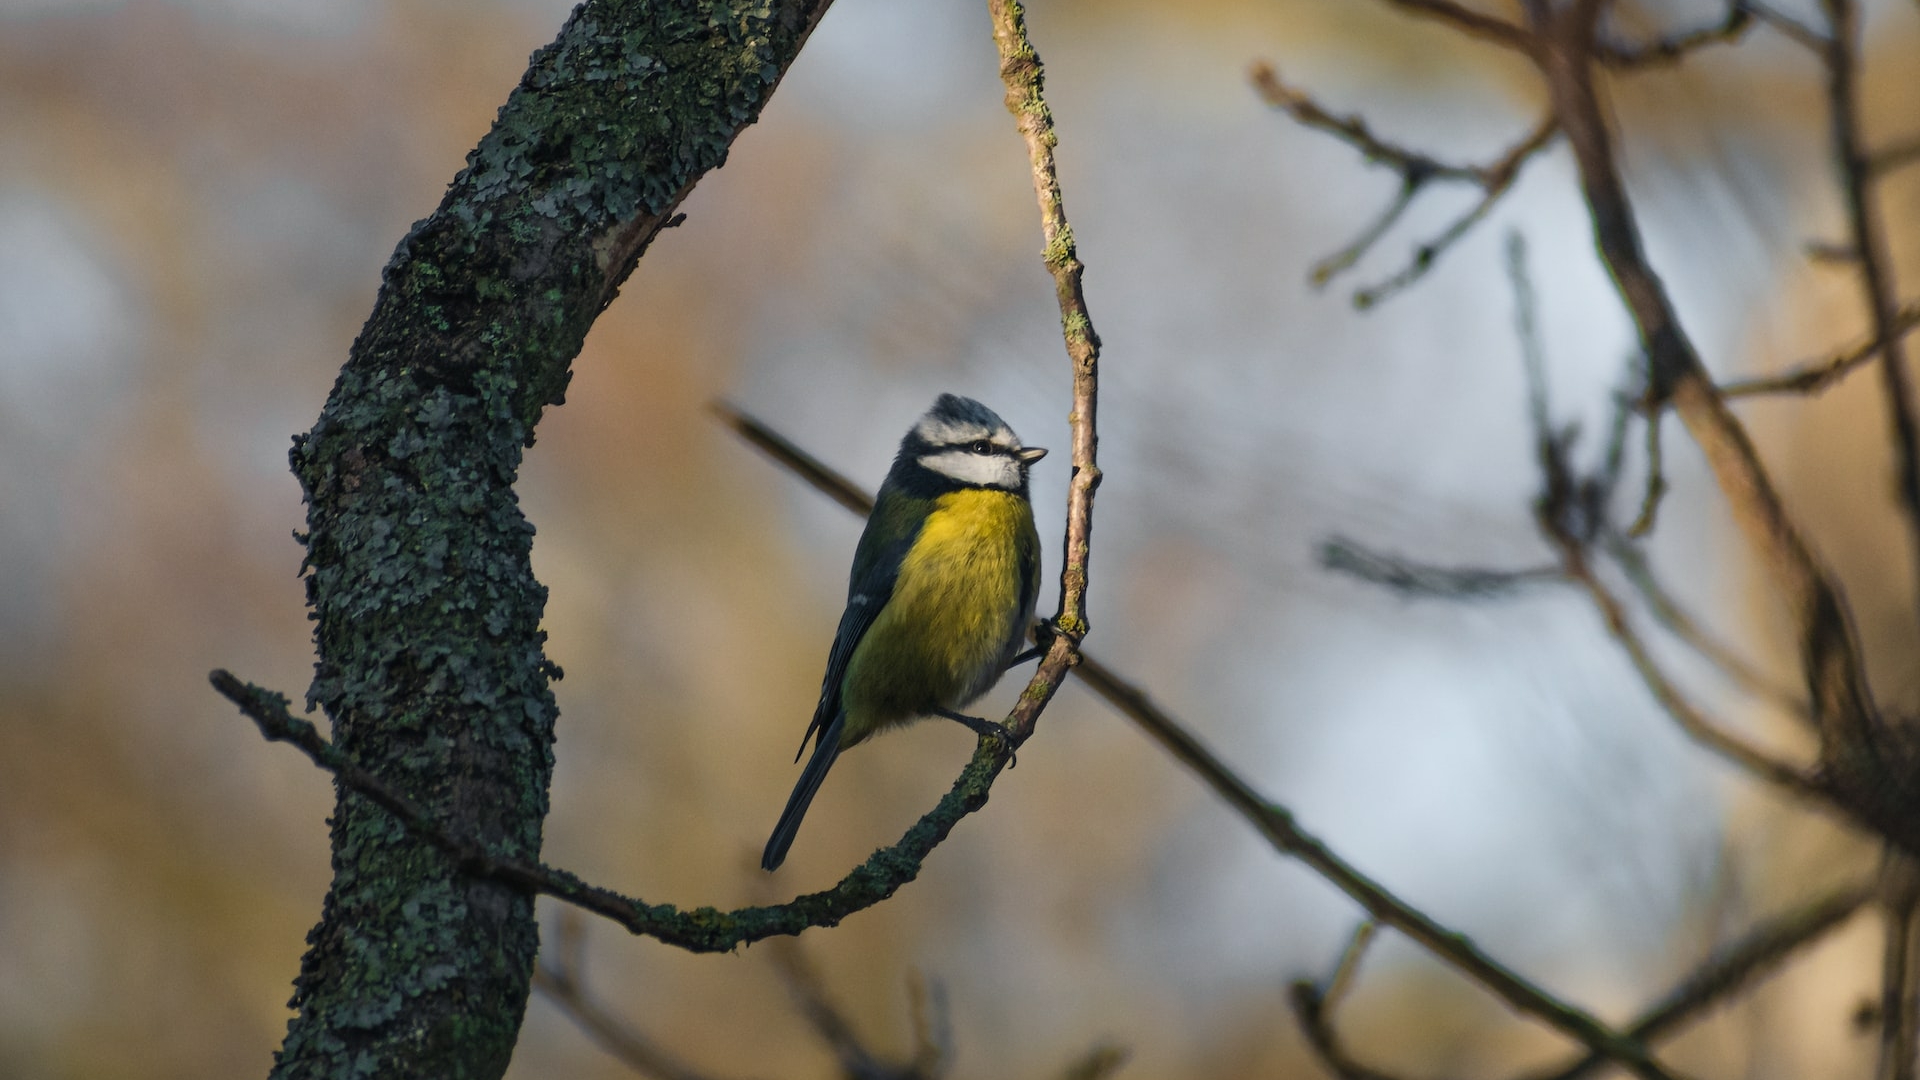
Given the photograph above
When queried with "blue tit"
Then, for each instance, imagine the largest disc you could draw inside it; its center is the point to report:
(941, 594)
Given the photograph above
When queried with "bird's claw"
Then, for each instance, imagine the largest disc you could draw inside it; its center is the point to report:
(986, 729)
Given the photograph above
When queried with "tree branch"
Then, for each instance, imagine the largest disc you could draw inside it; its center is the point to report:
(1868, 766)
(1735, 966)
(562, 981)
(1273, 821)
(1673, 48)
(1899, 974)
(703, 929)
(1814, 376)
(1025, 79)
(1868, 237)
(1416, 579)
(426, 611)
(1416, 171)
(1667, 611)
(1468, 21)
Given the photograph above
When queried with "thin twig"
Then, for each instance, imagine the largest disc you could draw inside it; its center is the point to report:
(1314, 1011)
(1666, 610)
(1867, 229)
(1098, 1063)
(1416, 579)
(1814, 376)
(1416, 171)
(832, 1024)
(560, 978)
(1684, 712)
(1499, 178)
(1314, 1004)
(1348, 968)
(1897, 156)
(1733, 967)
(1468, 21)
(1899, 975)
(1789, 27)
(1570, 522)
(1644, 520)
(1858, 756)
(932, 1025)
(1276, 823)
(1025, 79)
(1673, 48)
(1416, 167)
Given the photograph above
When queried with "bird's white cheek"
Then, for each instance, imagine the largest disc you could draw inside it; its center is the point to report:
(971, 468)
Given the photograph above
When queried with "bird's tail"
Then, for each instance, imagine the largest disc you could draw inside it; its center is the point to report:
(824, 753)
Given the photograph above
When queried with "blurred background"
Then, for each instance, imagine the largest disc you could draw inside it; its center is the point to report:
(196, 197)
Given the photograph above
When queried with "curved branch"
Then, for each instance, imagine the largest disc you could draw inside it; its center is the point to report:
(1021, 71)
(699, 930)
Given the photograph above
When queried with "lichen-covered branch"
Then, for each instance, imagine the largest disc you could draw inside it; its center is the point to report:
(703, 929)
(1025, 80)
(426, 611)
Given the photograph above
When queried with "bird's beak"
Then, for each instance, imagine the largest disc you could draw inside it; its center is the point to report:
(1031, 454)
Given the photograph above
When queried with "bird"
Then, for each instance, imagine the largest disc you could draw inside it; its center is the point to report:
(941, 593)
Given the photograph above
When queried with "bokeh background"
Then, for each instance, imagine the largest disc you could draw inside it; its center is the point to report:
(196, 197)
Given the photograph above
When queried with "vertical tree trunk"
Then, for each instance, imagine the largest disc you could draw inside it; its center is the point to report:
(426, 609)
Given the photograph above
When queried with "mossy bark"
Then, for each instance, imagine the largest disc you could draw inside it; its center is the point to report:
(426, 609)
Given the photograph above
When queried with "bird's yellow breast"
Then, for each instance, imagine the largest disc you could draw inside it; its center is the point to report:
(955, 613)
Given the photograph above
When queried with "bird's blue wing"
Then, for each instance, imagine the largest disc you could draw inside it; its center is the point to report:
(876, 564)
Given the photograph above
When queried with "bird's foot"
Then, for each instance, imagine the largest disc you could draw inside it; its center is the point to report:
(986, 729)
(1044, 631)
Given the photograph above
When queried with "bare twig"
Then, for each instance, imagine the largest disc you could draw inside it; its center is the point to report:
(932, 1026)
(1814, 376)
(1315, 1014)
(1314, 1003)
(1276, 823)
(1465, 19)
(1789, 27)
(561, 978)
(1668, 613)
(1684, 712)
(1416, 167)
(1098, 1063)
(1416, 171)
(1348, 967)
(1735, 966)
(1859, 756)
(1673, 48)
(1021, 71)
(1643, 521)
(1868, 235)
(1572, 515)
(1899, 974)
(1416, 579)
(836, 1029)
(1897, 156)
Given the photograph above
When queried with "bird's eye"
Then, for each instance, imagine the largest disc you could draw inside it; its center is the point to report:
(980, 446)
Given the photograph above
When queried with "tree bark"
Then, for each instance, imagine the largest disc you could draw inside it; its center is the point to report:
(426, 609)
